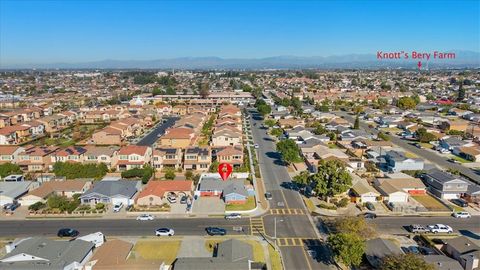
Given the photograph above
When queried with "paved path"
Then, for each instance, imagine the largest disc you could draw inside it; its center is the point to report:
(152, 137)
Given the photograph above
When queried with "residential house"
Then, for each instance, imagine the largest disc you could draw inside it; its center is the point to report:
(167, 158)
(397, 161)
(231, 155)
(452, 142)
(362, 192)
(471, 153)
(154, 192)
(229, 254)
(233, 191)
(473, 194)
(100, 154)
(354, 134)
(8, 135)
(465, 251)
(177, 137)
(36, 158)
(36, 253)
(107, 136)
(378, 248)
(9, 154)
(445, 185)
(133, 156)
(112, 192)
(66, 188)
(69, 154)
(442, 262)
(225, 137)
(12, 191)
(457, 124)
(399, 189)
(197, 158)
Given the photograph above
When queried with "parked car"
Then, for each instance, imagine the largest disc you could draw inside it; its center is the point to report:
(460, 202)
(452, 160)
(171, 199)
(427, 251)
(413, 249)
(256, 146)
(11, 206)
(370, 215)
(117, 207)
(268, 196)
(419, 146)
(440, 228)
(215, 231)
(370, 206)
(145, 217)
(461, 215)
(184, 200)
(164, 232)
(416, 228)
(443, 151)
(233, 216)
(67, 232)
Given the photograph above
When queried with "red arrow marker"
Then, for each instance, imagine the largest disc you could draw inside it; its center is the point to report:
(419, 64)
(225, 169)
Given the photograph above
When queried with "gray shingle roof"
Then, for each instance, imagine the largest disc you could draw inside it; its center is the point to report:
(111, 188)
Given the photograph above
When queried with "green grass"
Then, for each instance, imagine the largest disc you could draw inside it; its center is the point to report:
(426, 145)
(258, 254)
(249, 205)
(430, 203)
(165, 250)
(310, 205)
(275, 258)
(332, 146)
(459, 159)
(410, 155)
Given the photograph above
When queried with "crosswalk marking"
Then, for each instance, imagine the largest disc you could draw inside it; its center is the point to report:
(298, 242)
(256, 226)
(287, 211)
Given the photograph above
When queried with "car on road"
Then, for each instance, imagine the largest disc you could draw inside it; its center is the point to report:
(233, 216)
(453, 160)
(416, 228)
(145, 217)
(460, 202)
(164, 232)
(268, 196)
(461, 215)
(67, 232)
(443, 151)
(419, 146)
(440, 228)
(370, 206)
(117, 207)
(215, 231)
(256, 146)
(370, 215)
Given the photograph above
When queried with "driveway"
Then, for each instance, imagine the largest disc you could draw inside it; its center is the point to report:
(208, 205)
(193, 246)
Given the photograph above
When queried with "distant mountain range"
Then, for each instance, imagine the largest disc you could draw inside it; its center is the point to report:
(463, 59)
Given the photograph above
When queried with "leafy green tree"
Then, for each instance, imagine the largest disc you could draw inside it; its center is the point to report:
(461, 93)
(332, 178)
(157, 91)
(407, 261)
(169, 174)
(78, 170)
(8, 168)
(270, 122)
(277, 132)
(170, 91)
(356, 225)
(264, 109)
(302, 179)
(424, 136)
(289, 151)
(319, 130)
(347, 248)
(189, 175)
(406, 103)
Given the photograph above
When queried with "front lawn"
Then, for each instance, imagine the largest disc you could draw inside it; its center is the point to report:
(430, 203)
(257, 249)
(165, 250)
(249, 205)
(459, 159)
(426, 145)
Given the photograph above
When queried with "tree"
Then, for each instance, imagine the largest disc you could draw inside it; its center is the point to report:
(8, 168)
(204, 90)
(277, 132)
(189, 175)
(301, 179)
(332, 178)
(461, 92)
(319, 130)
(407, 261)
(78, 170)
(270, 122)
(383, 136)
(424, 136)
(406, 103)
(169, 174)
(347, 248)
(356, 225)
(264, 109)
(289, 151)
(356, 125)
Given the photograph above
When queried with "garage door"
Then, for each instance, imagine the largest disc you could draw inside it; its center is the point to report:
(369, 198)
(398, 198)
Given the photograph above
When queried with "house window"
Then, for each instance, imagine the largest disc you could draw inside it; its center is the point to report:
(190, 157)
(103, 158)
(203, 166)
(36, 158)
(123, 157)
(237, 157)
(134, 157)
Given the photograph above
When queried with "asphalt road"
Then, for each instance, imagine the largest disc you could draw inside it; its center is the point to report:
(115, 227)
(397, 225)
(298, 227)
(152, 137)
(432, 157)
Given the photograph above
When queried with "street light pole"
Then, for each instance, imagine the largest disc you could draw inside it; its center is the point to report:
(275, 228)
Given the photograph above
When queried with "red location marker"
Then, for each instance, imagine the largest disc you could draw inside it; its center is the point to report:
(419, 64)
(225, 169)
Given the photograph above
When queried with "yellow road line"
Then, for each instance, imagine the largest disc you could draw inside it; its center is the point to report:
(307, 258)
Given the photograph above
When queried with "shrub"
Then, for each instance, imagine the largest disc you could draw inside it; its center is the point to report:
(326, 206)
(343, 202)
(100, 206)
(37, 206)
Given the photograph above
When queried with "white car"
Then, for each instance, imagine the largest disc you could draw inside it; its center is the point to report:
(164, 232)
(145, 217)
(440, 228)
(117, 207)
(256, 146)
(462, 215)
(233, 216)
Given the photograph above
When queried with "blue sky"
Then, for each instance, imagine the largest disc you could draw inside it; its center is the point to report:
(78, 31)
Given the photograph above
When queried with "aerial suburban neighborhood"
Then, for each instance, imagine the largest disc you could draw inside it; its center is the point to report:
(239, 135)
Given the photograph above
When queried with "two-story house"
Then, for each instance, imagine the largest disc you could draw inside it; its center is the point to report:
(36, 158)
(445, 185)
(177, 137)
(105, 155)
(397, 161)
(231, 155)
(9, 154)
(70, 154)
(133, 156)
(197, 158)
(167, 157)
